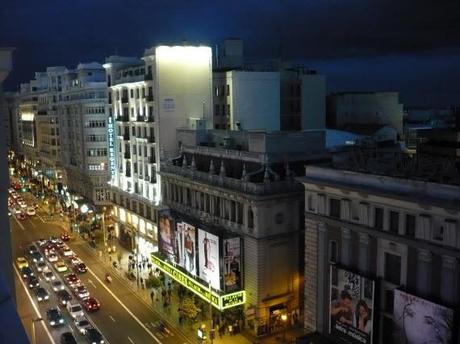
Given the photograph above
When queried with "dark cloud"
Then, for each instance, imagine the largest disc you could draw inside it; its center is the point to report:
(59, 32)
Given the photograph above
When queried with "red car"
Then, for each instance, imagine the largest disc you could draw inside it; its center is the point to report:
(80, 268)
(65, 236)
(22, 216)
(91, 304)
(49, 247)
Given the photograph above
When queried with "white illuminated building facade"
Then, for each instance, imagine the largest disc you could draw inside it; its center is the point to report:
(148, 98)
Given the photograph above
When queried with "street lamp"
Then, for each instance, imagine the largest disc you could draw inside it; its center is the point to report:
(34, 339)
(284, 319)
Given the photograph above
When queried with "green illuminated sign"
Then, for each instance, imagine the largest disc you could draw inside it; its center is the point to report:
(221, 302)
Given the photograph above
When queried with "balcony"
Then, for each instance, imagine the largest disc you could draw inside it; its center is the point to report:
(153, 179)
(148, 77)
(126, 136)
(127, 155)
(149, 97)
(124, 100)
(151, 118)
(140, 118)
(128, 173)
(151, 139)
(123, 118)
(152, 160)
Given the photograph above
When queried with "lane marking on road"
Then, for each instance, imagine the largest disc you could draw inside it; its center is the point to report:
(92, 283)
(34, 305)
(19, 223)
(126, 308)
(41, 218)
(32, 223)
(130, 340)
(112, 318)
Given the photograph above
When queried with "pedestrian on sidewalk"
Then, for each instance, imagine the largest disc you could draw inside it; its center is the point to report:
(142, 283)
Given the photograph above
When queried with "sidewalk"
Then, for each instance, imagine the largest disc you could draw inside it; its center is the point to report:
(170, 313)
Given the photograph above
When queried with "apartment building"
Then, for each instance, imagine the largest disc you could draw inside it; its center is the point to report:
(83, 132)
(148, 98)
(234, 221)
(381, 257)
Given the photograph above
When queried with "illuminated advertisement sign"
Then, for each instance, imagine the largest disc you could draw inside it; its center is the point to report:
(208, 257)
(232, 264)
(111, 142)
(219, 301)
(420, 321)
(351, 306)
(166, 237)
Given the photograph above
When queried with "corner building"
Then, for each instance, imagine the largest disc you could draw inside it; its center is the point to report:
(148, 98)
(235, 220)
(381, 258)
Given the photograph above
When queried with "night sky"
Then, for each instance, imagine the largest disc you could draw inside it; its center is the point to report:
(411, 46)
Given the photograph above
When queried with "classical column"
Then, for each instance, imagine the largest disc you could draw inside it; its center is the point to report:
(424, 258)
(364, 252)
(449, 279)
(345, 257)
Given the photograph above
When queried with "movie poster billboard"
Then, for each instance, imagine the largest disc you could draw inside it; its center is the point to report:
(188, 246)
(232, 264)
(419, 321)
(351, 306)
(208, 258)
(166, 237)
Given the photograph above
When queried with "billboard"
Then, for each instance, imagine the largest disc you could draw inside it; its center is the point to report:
(166, 238)
(208, 257)
(419, 321)
(188, 245)
(351, 306)
(232, 264)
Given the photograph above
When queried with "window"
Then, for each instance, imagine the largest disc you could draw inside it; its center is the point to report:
(228, 90)
(334, 208)
(410, 225)
(378, 218)
(250, 218)
(333, 252)
(394, 222)
(216, 110)
(438, 233)
(392, 268)
(131, 93)
(228, 109)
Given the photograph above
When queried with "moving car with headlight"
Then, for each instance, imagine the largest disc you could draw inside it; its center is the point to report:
(30, 211)
(80, 268)
(68, 338)
(32, 249)
(64, 297)
(52, 257)
(33, 282)
(60, 266)
(54, 317)
(57, 285)
(41, 294)
(21, 262)
(65, 236)
(48, 276)
(22, 216)
(41, 266)
(91, 304)
(26, 272)
(93, 336)
(82, 324)
(75, 310)
(37, 257)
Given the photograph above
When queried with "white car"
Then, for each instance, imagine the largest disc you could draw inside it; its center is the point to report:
(17, 210)
(23, 204)
(67, 252)
(52, 257)
(31, 211)
(82, 324)
(57, 285)
(75, 310)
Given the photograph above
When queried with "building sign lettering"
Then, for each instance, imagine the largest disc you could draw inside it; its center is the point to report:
(110, 139)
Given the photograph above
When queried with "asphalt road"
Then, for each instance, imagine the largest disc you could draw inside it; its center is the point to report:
(123, 318)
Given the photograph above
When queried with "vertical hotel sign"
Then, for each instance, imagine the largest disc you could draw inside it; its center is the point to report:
(111, 141)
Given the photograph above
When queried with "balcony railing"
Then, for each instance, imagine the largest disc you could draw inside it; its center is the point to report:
(151, 139)
(128, 173)
(140, 118)
(152, 160)
(122, 118)
(127, 155)
(126, 136)
(124, 100)
(150, 97)
(151, 118)
(148, 77)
